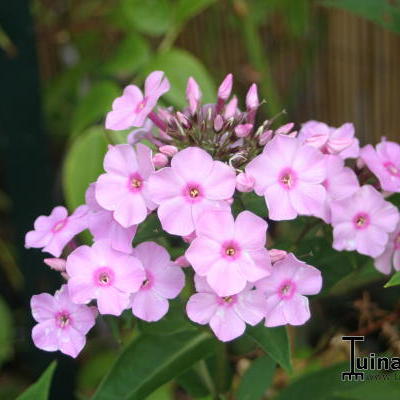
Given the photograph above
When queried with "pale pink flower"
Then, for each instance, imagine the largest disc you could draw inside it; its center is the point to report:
(362, 222)
(230, 253)
(193, 184)
(123, 188)
(285, 290)
(290, 176)
(391, 255)
(163, 280)
(53, 232)
(160, 160)
(145, 132)
(103, 226)
(227, 316)
(331, 140)
(62, 324)
(384, 162)
(244, 182)
(103, 274)
(132, 108)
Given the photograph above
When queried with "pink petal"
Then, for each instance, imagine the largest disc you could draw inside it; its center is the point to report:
(120, 160)
(226, 278)
(110, 188)
(308, 279)
(37, 239)
(217, 225)
(220, 183)
(274, 313)
(308, 199)
(296, 310)
(250, 306)
(310, 164)
(383, 263)
(83, 319)
(257, 169)
(255, 264)
(201, 285)
(71, 342)
(371, 241)
(44, 336)
(112, 301)
(250, 230)
(144, 160)
(164, 185)
(129, 273)
(156, 84)
(201, 307)
(131, 210)
(227, 325)
(176, 216)
(344, 237)
(42, 306)
(153, 256)
(169, 282)
(202, 254)
(149, 306)
(279, 203)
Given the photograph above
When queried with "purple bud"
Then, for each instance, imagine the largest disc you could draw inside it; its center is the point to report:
(58, 264)
(182, 262)
(244, 182)
(160, 160)
(218, 123)
(276, 255)
(285, 128)
(243, 130)
(231, 108)
(252, 102)
(182, 119)
(224, 91)
(193, 94)
(265, 137)
(168, 150)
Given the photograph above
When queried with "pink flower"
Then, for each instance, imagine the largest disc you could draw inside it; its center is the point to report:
(362, 222)
(391, 255)
(244, 183)
(290, 176)
(103, 226)
(62, 325)
(160, 160)
(132, 108)
(104, 274)
(123, 188)
(164, 280)
(384, 162)
(285, 290)
(330, 140)
(193, 184)
(229, 253)
(227, 316)
(53, 232)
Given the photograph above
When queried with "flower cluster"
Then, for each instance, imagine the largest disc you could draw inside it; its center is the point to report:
(191, 173)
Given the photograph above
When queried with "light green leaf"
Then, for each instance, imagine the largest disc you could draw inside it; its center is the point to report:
(40, 389)
(178, 66)
(83, 164)
(150, 361)
(186, 9)
(6, 332)
(256, 379)
(93, 107)
(275, 342)
(394, 280)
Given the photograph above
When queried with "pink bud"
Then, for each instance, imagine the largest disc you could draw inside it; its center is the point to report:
(218, 123)
(231, 108)
(65, 275)
(182, 119)
(265, 137)
(335, 146)
(182, 262)
(168, 150)
(160, 160)
(230, 201)
(244, 182)
(276, 255)
(292, 134)
(224, 91)
(189, 238)
(243, 130)
(285, 128)
(193, 94)
(58, 264)
(252, 101)
(360, 163)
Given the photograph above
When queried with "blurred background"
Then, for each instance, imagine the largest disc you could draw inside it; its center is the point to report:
(62, 62)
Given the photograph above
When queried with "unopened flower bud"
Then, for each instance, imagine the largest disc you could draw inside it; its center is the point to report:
(218, 123)
(276, 255)
(252, 101)
(168, 150)
(160, 160)
(265, 137)
(231, 108)
(243, 130)
(244, 182)
(182, 262)
(58, 264)
(189, 238)
(284, 129)
(224, 91)
(193, 94)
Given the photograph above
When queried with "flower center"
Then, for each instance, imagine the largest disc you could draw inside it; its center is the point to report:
(230, 250)
(59, 225)
(141, 105)
(135, 183)
(193, 192)
(392, 169)
(227, 300)
(287, 290)
(361, 221)
(63, 319)
(104, 277)
(288, 178)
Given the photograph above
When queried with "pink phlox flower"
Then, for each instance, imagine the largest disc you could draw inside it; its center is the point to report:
(193, 184)
(227, 316)
(163, 280)
(290, 176)
(229, 253)
(53, 232)
(132, 108)
(363, 221)
(285, 290)
(62, 324)
(103, 274)
(384, 162)
(391, 255)
(123, 188)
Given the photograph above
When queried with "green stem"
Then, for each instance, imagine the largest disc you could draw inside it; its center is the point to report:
(204, 373)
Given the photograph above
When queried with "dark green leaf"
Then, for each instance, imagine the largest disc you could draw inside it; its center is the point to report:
(83, 164)
(6, 332)
(275, 342)
(150, 361)
(186, 9)
(394, 280)
(40, 389)
(194, 381)
(256, 379)
(385, 387)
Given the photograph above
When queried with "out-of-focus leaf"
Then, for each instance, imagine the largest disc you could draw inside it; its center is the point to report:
(385, 387)
(394, 280)
(129, 56)
(186, 9)
(255, 204)
(150, 361)
(6, 332)
(94, 105)
(275, 342)
(383, 12)
(149, 229)
(179, 65)
(194, 381)
(162, 393)
(40, 389)
(83, 164)
(256, 379)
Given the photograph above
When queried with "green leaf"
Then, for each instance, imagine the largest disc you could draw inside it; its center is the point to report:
(150, 361)
(40, 389)
(394, 280)
(275, 342)
(94, 105)
(196, 381)
(6, 332)
(387, 387)
(128, 57)
(179, 65)
(83, 164)
(256, 379)
(186, 9)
